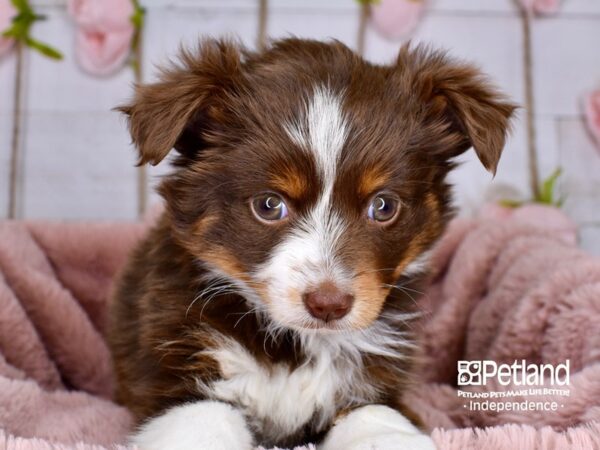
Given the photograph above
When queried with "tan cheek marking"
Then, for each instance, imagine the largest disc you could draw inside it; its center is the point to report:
(226, 262)
(294, 297)
(429, 232)
(370, 181)
(369, 295)
(261, 289)
(194, 241)
(413, 251)
(220, 257)
(432, 203)
(202, 225)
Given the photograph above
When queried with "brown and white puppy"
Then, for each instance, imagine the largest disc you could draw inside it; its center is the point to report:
(270, 303)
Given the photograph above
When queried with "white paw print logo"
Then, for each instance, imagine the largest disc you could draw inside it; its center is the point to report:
(469, 373)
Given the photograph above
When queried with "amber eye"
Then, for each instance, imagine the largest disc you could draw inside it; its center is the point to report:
(383, 208)
(269, 207)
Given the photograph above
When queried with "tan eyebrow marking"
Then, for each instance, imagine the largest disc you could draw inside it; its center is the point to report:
(290, 182)
(432, 203)
(371, 180)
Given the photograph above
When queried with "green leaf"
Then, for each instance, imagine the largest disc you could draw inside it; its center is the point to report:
(12, 32)
(511, 203)
(20, 5)
(137, 18)
(44, 49)
(368, 2)
(23, 7)
(21, 27)
(547, 189)
(18, 30)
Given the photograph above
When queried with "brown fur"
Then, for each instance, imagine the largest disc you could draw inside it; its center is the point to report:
(222, 109)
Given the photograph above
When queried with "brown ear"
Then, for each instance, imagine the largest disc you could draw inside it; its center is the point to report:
(168, 114)
(470, 104)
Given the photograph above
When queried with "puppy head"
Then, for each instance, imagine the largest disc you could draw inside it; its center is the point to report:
(308, 178)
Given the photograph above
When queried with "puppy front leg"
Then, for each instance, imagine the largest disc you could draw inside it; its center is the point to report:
(203, 425)
(376, 427)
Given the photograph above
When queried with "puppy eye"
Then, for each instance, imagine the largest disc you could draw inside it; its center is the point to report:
(269, 207)
(383, 208)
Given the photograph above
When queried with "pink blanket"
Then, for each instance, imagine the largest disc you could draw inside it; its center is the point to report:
(504, 289)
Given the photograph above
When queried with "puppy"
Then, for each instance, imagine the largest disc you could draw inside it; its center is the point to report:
(271, 303)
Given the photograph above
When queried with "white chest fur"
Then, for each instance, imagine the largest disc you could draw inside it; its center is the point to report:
(280, 400)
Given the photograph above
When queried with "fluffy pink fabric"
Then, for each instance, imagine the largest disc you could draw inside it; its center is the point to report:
(504, 289)
(104, 33)
(592, 115)
(7, 12)
(535, 215)
(396, 18)
(55, 371)
(511, 289)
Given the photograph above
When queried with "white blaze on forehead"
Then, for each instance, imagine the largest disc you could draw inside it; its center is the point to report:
(322, 130)
(307, 256)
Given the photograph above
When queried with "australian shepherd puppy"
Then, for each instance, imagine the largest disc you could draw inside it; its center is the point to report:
(271, 303)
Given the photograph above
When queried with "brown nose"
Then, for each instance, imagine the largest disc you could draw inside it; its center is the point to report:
(327, 302)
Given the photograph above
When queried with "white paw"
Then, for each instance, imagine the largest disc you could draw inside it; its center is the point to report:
(204, 425)
(376, 427)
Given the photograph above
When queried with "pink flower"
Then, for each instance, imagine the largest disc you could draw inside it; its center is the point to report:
(104, 34)
(7, 12)
(591, 105)
(396, 18)
(540, 6)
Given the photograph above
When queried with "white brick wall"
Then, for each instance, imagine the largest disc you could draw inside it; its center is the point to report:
(69, 124)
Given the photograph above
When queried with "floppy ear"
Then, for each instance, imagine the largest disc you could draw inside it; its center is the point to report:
(173, 112)
(459, 95)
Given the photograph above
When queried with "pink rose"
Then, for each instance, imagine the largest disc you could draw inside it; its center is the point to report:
(396, 18)
(591, 107)
(7, 12)
(104, 34)
(540, 6)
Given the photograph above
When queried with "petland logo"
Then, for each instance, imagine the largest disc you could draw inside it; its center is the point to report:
(522, 386)
(519, 373)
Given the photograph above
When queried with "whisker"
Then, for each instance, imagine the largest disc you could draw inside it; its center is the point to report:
(225, 290)
(362, 272)
(404, 290)
(217, 287)
(245, 314)
(403, 286)
(197, 297)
